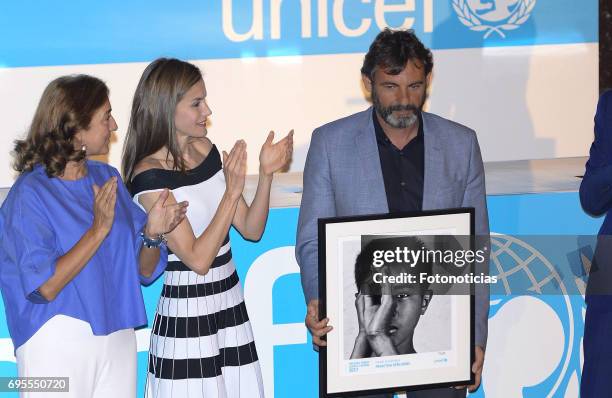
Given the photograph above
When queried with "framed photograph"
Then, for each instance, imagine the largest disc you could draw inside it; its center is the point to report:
(390, 335)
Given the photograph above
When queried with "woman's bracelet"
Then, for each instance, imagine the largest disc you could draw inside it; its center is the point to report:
(153, 243)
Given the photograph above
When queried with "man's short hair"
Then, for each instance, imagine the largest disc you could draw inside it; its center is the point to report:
(391, 50)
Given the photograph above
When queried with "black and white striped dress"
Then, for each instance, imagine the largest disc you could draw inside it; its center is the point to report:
(201, 341)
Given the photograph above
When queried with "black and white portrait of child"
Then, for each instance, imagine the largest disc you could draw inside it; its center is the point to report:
(388, 315)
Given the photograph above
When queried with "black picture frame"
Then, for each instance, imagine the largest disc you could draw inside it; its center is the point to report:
(358, 225)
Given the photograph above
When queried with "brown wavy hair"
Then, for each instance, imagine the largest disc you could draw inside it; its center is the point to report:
(162, 85)
(67, 105)
(392, 49)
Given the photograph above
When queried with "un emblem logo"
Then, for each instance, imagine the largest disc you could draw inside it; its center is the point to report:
(536, 287)
(493, 15)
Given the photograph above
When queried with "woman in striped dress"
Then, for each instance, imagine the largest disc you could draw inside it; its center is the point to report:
(201, 343)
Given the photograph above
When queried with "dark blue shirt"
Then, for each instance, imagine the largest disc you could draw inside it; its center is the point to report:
(402, 169)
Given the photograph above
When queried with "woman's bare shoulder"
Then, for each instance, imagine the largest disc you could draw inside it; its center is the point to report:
(148, 163)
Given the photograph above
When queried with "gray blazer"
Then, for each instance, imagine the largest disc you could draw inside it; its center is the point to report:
(343, 177)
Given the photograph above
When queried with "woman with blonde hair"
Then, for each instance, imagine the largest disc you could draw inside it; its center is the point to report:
(74, 248)
(202, 344)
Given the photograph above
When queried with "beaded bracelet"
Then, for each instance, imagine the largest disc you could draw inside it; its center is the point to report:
(153, 243)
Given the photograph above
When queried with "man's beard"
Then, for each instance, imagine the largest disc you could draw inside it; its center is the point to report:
(398, 122)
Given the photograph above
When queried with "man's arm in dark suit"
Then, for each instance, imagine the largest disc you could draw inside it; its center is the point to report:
(596, 186)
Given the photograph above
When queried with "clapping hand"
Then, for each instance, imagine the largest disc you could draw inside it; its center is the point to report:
(275, 157)
(163, 217)
(104, 206)
(234, 168)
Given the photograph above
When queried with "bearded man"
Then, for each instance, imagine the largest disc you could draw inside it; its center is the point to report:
(392, 157)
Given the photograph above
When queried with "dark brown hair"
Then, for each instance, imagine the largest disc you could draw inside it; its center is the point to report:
(162, 85)
(392, 49)
(66, 106)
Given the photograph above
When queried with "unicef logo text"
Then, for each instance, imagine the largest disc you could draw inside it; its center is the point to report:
(493, 15)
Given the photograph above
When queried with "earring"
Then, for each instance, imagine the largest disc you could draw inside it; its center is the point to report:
(84, 148)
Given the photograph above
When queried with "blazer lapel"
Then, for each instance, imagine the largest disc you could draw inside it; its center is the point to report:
(433, 164)
(372, 197)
